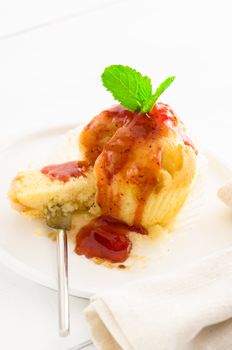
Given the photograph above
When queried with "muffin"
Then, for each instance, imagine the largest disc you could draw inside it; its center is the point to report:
(144, 166)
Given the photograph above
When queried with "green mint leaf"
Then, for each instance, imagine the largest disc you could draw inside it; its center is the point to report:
(147, 107)
(127, 86)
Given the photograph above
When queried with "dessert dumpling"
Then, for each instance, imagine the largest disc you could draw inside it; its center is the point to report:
(144, 165)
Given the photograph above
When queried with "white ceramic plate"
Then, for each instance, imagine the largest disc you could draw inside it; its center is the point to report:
(207, 228)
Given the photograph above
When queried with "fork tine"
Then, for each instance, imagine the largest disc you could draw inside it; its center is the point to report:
(58, 219)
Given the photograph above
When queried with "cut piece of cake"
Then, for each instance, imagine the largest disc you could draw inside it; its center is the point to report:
(32, 191)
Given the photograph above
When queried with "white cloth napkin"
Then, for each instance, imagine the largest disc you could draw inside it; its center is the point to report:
(189, 310)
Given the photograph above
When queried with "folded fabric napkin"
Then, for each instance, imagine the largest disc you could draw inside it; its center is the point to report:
(189, 310)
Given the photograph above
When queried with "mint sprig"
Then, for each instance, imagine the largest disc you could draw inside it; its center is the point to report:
(131, 88)
(147, 107)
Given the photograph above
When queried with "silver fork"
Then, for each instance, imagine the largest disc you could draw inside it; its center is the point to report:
(82, 345)
(60, 221)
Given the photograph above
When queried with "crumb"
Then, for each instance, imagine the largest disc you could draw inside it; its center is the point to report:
(98, 261)
(122, 266)
(52, 235)
(109, 264)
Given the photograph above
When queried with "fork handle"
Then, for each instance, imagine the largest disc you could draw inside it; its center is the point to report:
(63, 297)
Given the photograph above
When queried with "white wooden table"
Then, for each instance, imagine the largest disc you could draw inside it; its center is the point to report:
(51, 56)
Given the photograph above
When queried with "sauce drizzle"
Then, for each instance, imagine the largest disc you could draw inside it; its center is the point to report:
(133, 156)
(65, 171)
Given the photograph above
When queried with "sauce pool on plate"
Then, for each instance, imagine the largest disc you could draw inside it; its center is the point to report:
(106, 238)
